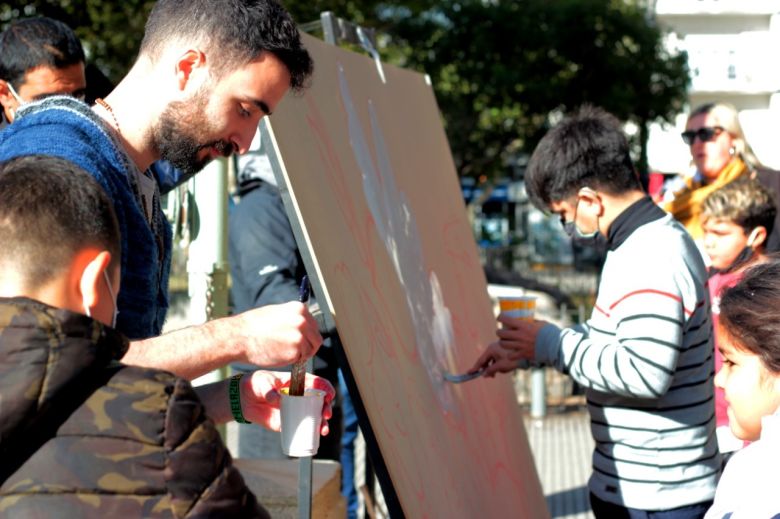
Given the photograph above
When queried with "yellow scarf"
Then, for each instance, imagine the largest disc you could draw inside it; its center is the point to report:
(687, 202)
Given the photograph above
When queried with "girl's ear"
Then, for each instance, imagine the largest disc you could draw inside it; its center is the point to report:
(777, 390)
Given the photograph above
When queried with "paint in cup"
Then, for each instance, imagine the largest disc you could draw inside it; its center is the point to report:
(301, 419)
(522, 307)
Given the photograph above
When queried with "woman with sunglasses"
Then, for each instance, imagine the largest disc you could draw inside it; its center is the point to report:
(720, 154)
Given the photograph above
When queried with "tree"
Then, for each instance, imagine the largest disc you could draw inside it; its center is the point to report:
(111, 32)
(504, 70)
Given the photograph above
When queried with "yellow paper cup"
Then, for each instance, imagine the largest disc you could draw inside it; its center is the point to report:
(523, 307)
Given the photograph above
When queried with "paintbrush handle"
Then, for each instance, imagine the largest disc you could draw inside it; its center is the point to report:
(298, 376)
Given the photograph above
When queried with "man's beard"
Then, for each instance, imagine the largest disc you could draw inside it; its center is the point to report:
(177, 136)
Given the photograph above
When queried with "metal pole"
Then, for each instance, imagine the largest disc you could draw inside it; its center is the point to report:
(305, 474)
(207, 264)
(538, 393)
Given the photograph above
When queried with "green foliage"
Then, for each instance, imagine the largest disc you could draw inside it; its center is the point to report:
(110, 31)
(503, 70)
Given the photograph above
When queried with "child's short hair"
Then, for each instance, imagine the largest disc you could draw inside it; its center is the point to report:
(743, 201)
(49, 210)
(586, 149)
(749, 312)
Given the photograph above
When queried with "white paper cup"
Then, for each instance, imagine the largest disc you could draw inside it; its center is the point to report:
(518, 306)
(301, 420)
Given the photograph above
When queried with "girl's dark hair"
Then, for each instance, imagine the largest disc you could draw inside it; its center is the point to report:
(749, 312)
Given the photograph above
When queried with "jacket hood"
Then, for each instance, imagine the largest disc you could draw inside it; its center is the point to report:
(43, 351)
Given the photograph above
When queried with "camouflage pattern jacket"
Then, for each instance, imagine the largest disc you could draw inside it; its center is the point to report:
(136, 444)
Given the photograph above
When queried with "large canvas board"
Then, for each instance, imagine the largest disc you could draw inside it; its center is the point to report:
(374, 188)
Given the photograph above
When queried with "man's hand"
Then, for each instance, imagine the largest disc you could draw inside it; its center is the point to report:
(261, 397)
(276, 335)
(273, 335)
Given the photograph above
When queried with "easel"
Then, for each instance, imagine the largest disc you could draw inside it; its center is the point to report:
(335, 30)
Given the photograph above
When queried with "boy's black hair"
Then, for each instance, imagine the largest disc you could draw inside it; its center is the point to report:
(235, 31)
(587, 149)
(37, 42)
(49, 210)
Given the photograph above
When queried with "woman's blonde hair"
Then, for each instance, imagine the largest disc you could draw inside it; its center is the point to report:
(726, 116)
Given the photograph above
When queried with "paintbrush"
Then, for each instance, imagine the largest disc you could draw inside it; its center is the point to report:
(298, 377)
(463, 377)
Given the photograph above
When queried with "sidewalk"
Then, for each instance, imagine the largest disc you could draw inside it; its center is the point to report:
(561, 444)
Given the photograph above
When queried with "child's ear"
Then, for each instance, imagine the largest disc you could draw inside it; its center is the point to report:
(93, 266)
(757, 237)
(590, 197)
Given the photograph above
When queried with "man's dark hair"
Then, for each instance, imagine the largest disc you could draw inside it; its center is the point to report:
(234, 31)
(37, 42)
(49, 210)
(588, 149)
(748, 312)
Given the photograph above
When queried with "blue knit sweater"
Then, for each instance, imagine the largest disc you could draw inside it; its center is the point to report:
(67, 128)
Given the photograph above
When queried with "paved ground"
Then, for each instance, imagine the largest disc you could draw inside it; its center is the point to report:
(561, 444)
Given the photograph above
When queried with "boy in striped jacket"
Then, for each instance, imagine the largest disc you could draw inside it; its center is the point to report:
(645, 355)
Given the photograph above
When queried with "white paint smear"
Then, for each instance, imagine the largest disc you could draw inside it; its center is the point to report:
(397, 228)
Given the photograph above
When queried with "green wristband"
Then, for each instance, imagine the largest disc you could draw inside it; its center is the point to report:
(234, 392)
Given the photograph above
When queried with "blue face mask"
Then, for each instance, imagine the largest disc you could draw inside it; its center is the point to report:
(577, 236)
(113, 298)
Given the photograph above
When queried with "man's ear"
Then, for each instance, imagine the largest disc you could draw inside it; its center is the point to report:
(7, 100)
(190, 67)
(92, 265)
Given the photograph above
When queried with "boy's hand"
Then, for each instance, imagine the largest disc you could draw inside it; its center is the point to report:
(494, 359)
(518, 336)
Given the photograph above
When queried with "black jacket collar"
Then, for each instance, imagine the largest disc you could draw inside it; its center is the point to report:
(636, 215)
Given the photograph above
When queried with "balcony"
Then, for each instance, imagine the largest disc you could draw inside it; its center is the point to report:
(709, 7)
(731, 64)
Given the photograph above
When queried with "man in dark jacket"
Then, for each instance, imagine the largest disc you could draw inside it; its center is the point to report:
(82, 435)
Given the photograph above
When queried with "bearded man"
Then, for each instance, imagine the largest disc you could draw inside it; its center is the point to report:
(206, 73)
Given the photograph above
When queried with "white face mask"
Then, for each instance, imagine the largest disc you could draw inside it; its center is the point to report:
(113, 298)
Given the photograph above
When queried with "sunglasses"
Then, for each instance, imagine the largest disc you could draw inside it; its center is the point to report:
(705, 134)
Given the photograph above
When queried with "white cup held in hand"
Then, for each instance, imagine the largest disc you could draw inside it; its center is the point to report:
(301, 420)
